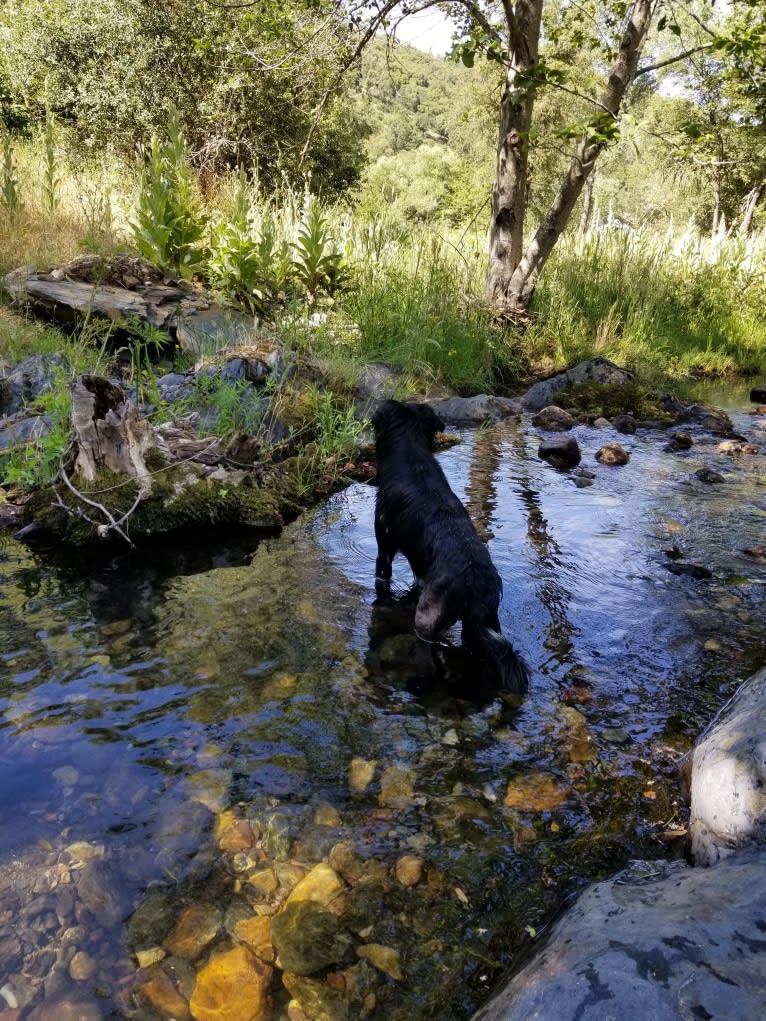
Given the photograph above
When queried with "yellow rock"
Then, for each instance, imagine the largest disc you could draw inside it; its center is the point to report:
(160, 992)
(326, 815)
(255, 933)
(146, 958)
(360, 773)
(538, 792)
(197, 927)
(397, 787)
(409, 869)
(322, 885)
(383, 958)
(233, 986)
(233, 834)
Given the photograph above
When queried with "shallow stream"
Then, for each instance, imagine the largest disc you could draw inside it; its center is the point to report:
(186, 732)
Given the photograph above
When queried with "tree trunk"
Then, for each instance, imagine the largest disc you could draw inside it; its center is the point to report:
(587, 204)
(513, 284)
(509, 192)
(751, 201)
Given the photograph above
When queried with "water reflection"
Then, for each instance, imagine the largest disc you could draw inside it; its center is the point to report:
(194, 729)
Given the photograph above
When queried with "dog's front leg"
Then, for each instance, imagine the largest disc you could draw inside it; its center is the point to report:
(385, 558)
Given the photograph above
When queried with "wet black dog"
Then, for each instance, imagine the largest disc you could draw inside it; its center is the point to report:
(417, 514)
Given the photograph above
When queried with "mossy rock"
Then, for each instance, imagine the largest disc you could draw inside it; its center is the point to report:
(610, 399)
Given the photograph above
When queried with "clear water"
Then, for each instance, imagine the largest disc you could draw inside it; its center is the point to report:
(145, 693)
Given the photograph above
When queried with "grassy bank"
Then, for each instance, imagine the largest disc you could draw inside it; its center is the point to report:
(349, 290)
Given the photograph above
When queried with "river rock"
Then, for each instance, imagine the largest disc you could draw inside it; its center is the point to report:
(709, 477)
(711, 419)
(679, 440)
(97, 889)
(595, 370)
(466, 411)
(197, 927)
(625, 424)
(322, 884)
(66, 1007)
(612, 454)
(680, 944)
(159, 990)
(758, 395)
(308, 937)
(561, 452)
(553, 419)
(314, 1000)
(728, 777)
(233, 986)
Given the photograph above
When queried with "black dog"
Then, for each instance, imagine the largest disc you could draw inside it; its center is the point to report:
(417, 514)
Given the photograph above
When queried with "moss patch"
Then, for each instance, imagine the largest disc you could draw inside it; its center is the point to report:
(610, 399)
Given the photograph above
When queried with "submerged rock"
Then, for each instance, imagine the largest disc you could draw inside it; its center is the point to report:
(682, 943)
(233, 986)
(308, 938)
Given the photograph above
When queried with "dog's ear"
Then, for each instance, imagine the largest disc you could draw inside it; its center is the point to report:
(429, 420)
(384, 415)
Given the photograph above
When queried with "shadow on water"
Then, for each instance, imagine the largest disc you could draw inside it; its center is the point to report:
(186, 731)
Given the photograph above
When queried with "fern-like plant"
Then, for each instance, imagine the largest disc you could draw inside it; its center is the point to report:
(9, 184)
(318, 261)
(170, 225)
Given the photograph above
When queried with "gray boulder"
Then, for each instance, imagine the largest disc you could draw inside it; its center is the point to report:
(24, 383)
(595, 370)
(728, 777)
(466, 411)
(675, 944)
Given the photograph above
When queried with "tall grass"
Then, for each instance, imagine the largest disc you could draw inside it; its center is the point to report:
(352, 289)
(677, 305)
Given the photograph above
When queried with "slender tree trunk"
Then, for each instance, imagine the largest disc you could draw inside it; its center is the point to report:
(509, 192)
(587, 203)
(716, 202)
(751, 202)
(513, 283)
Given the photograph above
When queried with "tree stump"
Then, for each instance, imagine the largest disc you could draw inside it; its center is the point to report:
(110, 432)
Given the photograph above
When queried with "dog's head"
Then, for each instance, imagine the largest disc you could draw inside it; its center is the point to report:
(419, 420)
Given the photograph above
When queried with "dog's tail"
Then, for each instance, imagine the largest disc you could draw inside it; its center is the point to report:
(509, 666)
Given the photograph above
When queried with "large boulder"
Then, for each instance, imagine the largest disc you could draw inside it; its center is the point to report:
(468, 411)
(595, 370)
(673, 944)
(728, 777)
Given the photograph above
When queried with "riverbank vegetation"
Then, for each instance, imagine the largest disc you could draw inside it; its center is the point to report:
(362, 235)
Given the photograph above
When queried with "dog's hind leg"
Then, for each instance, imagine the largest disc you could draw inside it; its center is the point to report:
(432, 615)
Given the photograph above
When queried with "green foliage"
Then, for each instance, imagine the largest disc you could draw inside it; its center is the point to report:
(318, 261)
(9, 184)
(238, 406)
(665, 307)
(36, 464)
(52, 179)
(169, 224)
(248, 79)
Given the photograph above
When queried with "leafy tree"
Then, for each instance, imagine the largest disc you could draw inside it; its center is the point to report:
(246, 81)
